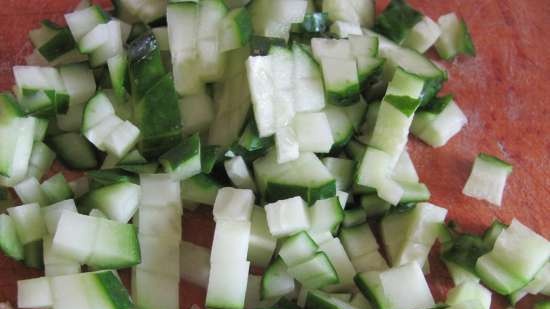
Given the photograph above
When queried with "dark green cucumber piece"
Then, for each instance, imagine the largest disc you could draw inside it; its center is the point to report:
(183, 160)
(397, 20)
(74, 151)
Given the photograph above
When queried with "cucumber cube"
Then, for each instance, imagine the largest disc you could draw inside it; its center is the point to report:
(342, 265)
(160, 190)
(297, 249)
(151, 290)
(195, 264)
(488, 179)
(28, 222)
(233, 204)
(227, 285)
(341, 80)
(231, 240)
(287, 217)
(262, 244)
(405, 287)
(34, 293)
(313, 132)
(160, 255)
(159, 222)
(315, 273)
(75, 236)
(116, 246)
(9, 242)
(53, 213)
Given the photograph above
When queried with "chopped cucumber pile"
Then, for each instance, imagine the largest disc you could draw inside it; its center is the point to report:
(289, 119)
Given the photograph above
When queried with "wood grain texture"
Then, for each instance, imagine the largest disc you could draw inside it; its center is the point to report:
(503, 91)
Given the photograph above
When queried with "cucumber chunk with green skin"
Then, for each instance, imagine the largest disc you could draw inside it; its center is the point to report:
(118, 72)
(321, 300)
(33, 257)
(116, 246)
(30, 191)
(34, 293)
(372, 261)
(227, 285)
(342, 264)
(315, 273)
(506, 268)
(414, 192)
(397, 20)
(341, 10)
(17, 142)
(488, 179)
(233, 205)
(118, 201)
(145, 64)
(238, 172)
(184, 160)
(262, 244)
(237, 29)
(74, 151)
(9, 241)
(455, 38)
(370, 286)
(314, 131)
(469, 291)
(374, 172)
(314, 23)
(326, 215)
(491, 234)
(29, 222)
(368, 68)
(151, 290)
(52, 214)
(309, 95)
(57, 189)
(83, 21)
(160, 255)
(340, 126)
(535, 286)
(75, 236)
(276, 281)
(160, 190)
(297, 249)
(463, 251)
(341, 80)
(423, 35)
(200, 188)
(344, 30)
(79, 81)
(57, 45)
(197, 113)
(354, 217)
(358, 240)
(278, 181)
(121, 139)
(287, 217)
(342, 170)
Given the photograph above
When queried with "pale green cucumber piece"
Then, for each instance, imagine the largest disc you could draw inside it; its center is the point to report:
(75, 236)
(97, 109)
(30, 191)
(422, 35)
(340, 125)
(287, 217)
(200, 188)
(53, 213)
(41, 160)
(34, 293)
(297, 249)
(83, 21)
(358, 240)
(314, 131)
(9, 241)
(28, 222)
(455, 38)
(227, 285)
(276, 281)
(118, 72)
(237, 28)
(341, 170)
(341, 80)
(340, 261)
(79, 81)
(354, 217)
(397, 20)
(326, 215)
(488, 179)
(469, 291)
(118, 201)
(262, 244)
(116, 246)
(315, 273)
(56, 188)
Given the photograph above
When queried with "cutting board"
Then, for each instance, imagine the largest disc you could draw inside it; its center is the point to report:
(504, 92)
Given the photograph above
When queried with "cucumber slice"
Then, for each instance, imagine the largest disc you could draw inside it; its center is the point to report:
(53, 213)
(9, 241)
(237, 29)
(184, 160)
(317, 272)
(197, 113)
(305, 176)
(230, 242)
(326, 215)
(29, 191)
(288, 147)
(423, 35)
(56, 188)
(75, 236)
(506, 268)
(122, 139)
(159, 190)
(372, 261)
(97, 110)
(151, 290)
(94, 39)
(297, 249)
(227, 285)
(83, 21)
(233, 204)
(98, 134)
(455, 38)
(341, 80)
(118, 201)
(34, 293)
(340, 261)
(488, 179)
(287, 217)
(397, 20)
(28, 222)
(200, 188)
(112, 47)
(276, 281)
(313, 132)
(358, 240)
(438, 122)
(74, 151)
(262, 244)
(195, 264)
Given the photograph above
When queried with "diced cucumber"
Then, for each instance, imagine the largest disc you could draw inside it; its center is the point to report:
(230, 242)
(51, 40)
(236, 29)
(341, 10)
(40, 129)
(488, 179)
(227, 285)
(233, 204)
(297, 249)
(30, 191)
(160, 255)
(97, 109)
(368, 68)
(341, 80)
(259, 71)
(56, 188)
(164, 222)
(75, 236)
(262, 244)
(404, 170)
(56, 265)
(345, 29)
(159, 190)
(374, 172)
(341, 170)
(318, 299)
(28, 222)
(469, 291)
(313, 132)
(459, 274)
(118, 201)
(79, 81)
(326, 215)
(287, 217)
(212, 62)
(276, 281)
(118, 72)
(32, 253)
(72, 120)
(360, 302)
(536, 286)
(184, 160)
(83, 21)
(372, 261)
(397, 20)
(34, 293)
(305, 176)
(340, 261)
(506, 268)
(282, 72)
(406, 287)
(329, 48)
(122, 139)
(98, 134)
(69, 292)
(309, 95)
(288, 147)
(438, 122)
(358, 240)
(340, 125)
(373, 205)
(151, 290)
(17, 136)
(112, 47)
(94, 39)
(9, 241)
(195, 264)
(53, 213)
(414, 192)
(317, 272)
(363, 45)
(116, 246)
(74, 151)
(422, 35)
(370, 286)
(354, 217)
(197, 113)
(239, 174)
(200, 188)
(455, 38)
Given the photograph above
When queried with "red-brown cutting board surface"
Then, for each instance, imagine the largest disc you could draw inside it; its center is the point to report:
(504, 91)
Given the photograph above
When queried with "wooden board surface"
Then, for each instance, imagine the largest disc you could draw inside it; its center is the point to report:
(504, 92)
